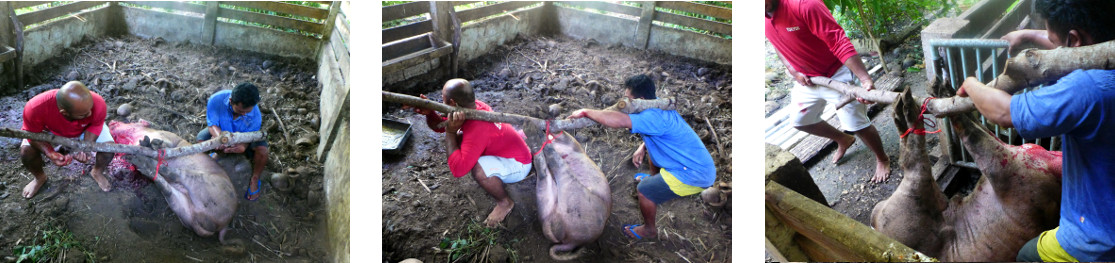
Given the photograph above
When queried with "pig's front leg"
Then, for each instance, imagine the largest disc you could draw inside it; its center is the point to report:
(547, 193)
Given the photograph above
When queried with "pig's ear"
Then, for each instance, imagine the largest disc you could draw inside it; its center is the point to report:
(901, 111)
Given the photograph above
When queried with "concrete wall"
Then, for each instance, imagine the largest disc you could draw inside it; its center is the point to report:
(615, 30)
(602, 28)
(185, 28)
(337, 194)
(44, 42)
(480, 38)
(171, 27)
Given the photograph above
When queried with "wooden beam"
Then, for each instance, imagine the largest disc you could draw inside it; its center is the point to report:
(179, 6)
(703, 9)
(23, 4)
(405, 10)
(606, 6)
(646, 17)
(852, 240)
(693, 22)
(401, 32)
(271, 20)
(55, 12)
(482, 12)
(341, 53)
(330, 21)
(280, 7)
(398, 64)
(209, 27)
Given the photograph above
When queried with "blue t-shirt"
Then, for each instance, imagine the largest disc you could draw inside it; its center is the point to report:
(1077, 107)
(674, 146)
(219, 113)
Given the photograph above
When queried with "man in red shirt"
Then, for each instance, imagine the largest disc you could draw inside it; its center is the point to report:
(494, 153)
(72, 112)
(812, 44)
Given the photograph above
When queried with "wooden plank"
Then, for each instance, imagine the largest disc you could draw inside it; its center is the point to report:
(460, 3)
(271, 20)
(605, 6)
(405, 10)
(693, 22)
(481, 12)
(406, 46)
(55, 12)
(399, 64)
(703, 9)
(7, 54)
(23, 4)
(209, 28)
(646, 19)
(330, 22)
(280, 7)
(341, 53)
(401, 32)
(180, 6)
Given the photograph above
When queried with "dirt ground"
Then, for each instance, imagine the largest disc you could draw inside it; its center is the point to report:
(169, 84)
(525, 77)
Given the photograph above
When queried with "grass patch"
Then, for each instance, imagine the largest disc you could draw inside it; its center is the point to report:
(475, 244)
(52, 244)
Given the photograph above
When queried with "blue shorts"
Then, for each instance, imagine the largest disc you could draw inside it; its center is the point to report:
(655, 188)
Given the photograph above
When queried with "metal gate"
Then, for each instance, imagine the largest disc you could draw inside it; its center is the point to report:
(985, 59)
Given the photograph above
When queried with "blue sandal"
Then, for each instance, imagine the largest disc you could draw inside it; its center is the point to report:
(248, 194)
(640, 176)
(631, 228)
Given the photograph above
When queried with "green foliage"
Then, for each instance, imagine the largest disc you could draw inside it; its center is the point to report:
(50, 245)
(876, 18)
(472, 245)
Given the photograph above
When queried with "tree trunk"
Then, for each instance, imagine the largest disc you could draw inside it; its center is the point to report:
(224, 138)
(1030, 68)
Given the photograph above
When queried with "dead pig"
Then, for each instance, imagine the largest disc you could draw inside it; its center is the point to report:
(574, 199)
(1017, 197)
(196, 188)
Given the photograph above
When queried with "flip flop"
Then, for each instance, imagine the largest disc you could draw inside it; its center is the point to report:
(640, 176)
(631, 228)
(248, 194)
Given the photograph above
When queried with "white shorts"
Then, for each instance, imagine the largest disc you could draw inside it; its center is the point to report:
(507, 169)
(106, 136)
(810, 103)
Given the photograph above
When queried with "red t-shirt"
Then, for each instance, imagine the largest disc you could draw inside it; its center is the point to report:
(806, 35)
(41, 114)
(482, 138)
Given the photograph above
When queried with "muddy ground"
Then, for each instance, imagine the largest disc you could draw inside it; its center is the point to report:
(525, 77)
(169, 85)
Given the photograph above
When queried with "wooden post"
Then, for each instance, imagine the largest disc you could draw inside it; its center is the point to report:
(443, 30)
(330, 21)
(642, 32)
(209, 28)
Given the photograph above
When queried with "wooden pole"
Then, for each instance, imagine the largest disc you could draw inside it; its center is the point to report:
(209, 28)
(224, 138)
(642, 32)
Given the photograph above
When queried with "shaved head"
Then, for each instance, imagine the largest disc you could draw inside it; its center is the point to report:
(74, 100)
(460, 92)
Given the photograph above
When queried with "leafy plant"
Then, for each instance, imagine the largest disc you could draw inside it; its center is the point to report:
(876, 18)
(51, 244)
(473, 245)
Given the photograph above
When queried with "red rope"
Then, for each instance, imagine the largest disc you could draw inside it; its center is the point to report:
(157, 165)
(921, 117)
(549, 138)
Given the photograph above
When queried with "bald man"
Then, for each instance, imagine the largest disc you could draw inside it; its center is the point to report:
(494, 153)
(72, 112)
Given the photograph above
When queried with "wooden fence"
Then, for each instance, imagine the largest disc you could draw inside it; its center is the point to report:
(655, 25)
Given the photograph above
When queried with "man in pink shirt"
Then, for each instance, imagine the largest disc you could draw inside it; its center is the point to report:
(72, 112)
(494, 153)
(812, 44)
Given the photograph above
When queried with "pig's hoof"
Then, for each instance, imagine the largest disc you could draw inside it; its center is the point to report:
(233, 247)
(557, 252)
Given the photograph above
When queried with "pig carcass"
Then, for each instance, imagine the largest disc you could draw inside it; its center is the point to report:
(1016, 199)
(574, 199)
(196, 188)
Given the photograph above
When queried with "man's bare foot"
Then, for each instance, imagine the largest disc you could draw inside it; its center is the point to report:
(499, 213)
(842, 146)
(99, 176)
(882, 171)
(642, 231)
(32, 188)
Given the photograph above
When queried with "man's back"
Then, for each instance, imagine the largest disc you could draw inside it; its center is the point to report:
(480, 138)
(674, 146)
(807, 36)
(1081, 107)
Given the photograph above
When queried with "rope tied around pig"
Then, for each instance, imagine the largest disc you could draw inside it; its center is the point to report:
(159, 164)
(921, 117)
(549, 138)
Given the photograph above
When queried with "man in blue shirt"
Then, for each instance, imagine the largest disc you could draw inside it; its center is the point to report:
(682, 164)
(236, 110)
(1076, 108)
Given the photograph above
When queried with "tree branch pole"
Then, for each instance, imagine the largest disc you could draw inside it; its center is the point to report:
(624, 105)
(76, 145)
(1030, 68)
